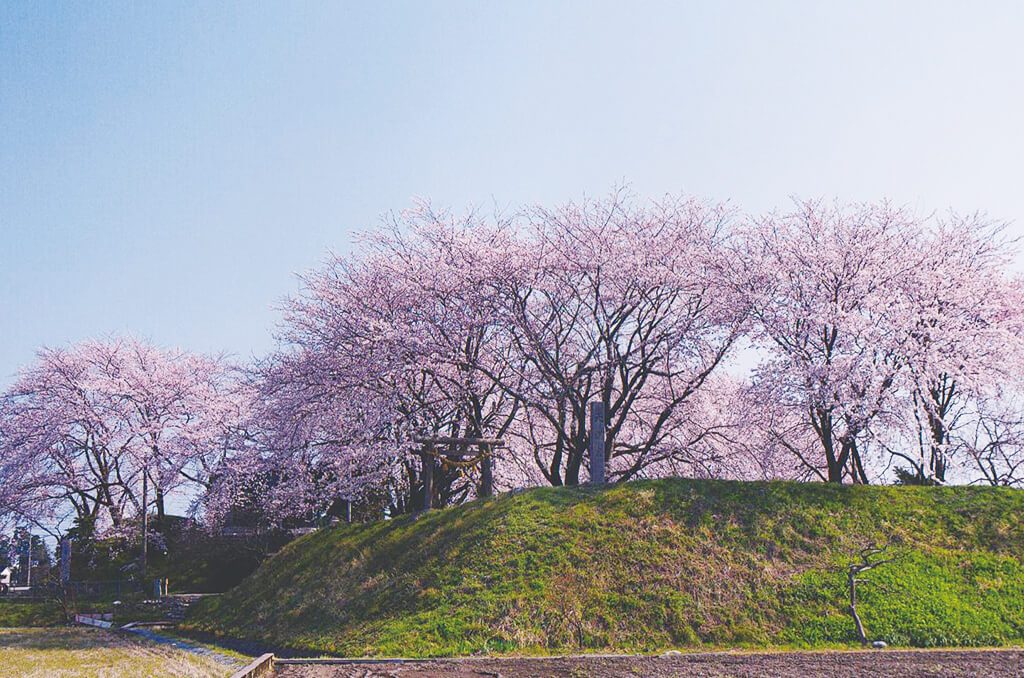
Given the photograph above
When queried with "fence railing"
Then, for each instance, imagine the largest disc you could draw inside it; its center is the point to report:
(104, 588)
(79, 589)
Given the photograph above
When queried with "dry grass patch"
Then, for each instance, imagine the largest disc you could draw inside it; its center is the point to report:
(84, 652)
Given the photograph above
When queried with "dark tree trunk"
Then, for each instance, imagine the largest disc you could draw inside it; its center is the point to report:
(942, 393)
(572, 469)
(160, 512)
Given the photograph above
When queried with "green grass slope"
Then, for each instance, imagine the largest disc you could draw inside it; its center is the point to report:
(644, 566)
(16, 613)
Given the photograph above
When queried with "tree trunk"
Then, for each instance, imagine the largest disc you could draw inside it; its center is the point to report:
(577, 450)
(427, 474)
(112, 507)
(852, 580)
(572, 469)
(942, 394)
(857, 465)
(159, 508)
(821, 422)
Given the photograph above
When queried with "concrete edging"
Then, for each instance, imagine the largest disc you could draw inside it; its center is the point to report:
(170, 623)
(328, 661)
(92, 621)
(261, 666)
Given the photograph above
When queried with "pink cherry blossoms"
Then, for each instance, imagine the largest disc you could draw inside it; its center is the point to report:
(83, 427)
(843, 343)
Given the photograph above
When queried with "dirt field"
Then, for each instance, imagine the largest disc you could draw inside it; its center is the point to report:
(889, 663)
(85, 652)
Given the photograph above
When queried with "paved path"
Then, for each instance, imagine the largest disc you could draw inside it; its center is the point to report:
(184, 645)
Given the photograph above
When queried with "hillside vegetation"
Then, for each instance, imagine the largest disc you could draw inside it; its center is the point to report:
(644, 566)
(15, 613)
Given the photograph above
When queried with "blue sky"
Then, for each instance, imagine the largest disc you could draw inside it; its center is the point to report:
(166, 168)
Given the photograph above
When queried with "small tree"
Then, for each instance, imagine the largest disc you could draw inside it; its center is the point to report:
(867, 554)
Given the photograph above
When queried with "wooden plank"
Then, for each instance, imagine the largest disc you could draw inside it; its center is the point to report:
(261, 666)
(89, 621)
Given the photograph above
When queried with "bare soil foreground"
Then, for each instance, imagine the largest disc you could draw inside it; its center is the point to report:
(852, 664)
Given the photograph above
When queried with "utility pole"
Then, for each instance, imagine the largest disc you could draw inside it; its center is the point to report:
(145, 516)
(28, 560)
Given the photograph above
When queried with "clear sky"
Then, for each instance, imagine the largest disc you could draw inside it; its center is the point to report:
(166, 168)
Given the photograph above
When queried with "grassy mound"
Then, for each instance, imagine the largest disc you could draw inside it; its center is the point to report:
(643, 567)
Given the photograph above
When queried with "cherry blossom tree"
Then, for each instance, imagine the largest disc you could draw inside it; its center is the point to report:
(379, 349)
(966, 336)
(87, 430)
(55, 419)
(501, 328)
(24, 484)
(828, 288)
(623, 304)
(881, 328)
(877, 336)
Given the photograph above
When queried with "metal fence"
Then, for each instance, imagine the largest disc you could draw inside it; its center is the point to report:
(113, 588)
(77, 589)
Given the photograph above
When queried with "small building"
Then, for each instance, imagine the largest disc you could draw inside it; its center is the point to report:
(5, 579)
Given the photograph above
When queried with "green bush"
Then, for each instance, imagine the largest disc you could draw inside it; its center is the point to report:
(20, 614)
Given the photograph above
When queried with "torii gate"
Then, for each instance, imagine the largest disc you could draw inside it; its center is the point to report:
(484, 457)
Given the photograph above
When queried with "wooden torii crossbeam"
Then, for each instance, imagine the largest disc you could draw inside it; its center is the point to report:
(485, 446)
